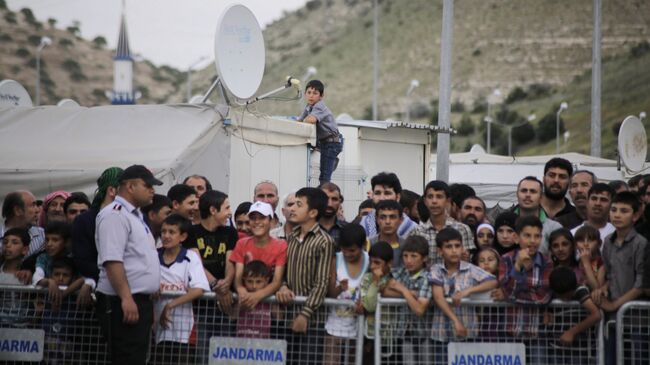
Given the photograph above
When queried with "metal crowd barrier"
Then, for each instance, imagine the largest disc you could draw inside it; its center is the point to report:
(402, 337)
(633, 333)
(32, 330)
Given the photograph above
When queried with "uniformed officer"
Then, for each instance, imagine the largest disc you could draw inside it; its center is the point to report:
(129, 271)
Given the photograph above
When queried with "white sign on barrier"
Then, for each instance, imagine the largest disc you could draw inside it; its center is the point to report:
(244, 351)
(21, 344)
(468, 353)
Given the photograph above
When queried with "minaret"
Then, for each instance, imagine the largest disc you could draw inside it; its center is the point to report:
(123, 92)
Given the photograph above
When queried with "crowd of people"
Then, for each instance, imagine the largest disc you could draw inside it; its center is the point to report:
(433, 250)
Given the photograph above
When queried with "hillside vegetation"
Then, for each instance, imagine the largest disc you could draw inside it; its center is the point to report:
(538, 53)
(71, 67)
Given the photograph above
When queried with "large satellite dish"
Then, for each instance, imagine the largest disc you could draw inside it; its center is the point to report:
(67, 103)
(632, 144)
(239, 53)
(13, 93)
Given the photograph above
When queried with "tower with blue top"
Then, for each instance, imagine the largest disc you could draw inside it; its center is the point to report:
(123, 93)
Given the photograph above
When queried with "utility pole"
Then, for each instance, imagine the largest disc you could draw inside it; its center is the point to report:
(444, 102)
(595, 81)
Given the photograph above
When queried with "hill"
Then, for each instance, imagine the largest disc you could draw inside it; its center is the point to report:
(497, 44)
(71, 67)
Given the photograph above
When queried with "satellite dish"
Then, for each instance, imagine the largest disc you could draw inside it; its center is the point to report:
(68, 103)
(239, 53)
(196, 99)
(13, 94)
(477, 148)
(344, 117)
(632, 144)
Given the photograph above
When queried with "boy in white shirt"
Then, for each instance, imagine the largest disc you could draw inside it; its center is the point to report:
(180, 270)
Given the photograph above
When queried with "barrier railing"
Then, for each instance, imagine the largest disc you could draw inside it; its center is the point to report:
(633, 333)
(402, 337)
(31, 329)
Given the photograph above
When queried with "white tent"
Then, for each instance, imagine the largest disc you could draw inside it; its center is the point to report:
(48, 148)
(495, 177)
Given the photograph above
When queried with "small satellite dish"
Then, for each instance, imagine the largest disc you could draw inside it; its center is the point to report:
(344, 117)
(68, 103)
(196, 99)
(239, 53)
(12, 93)
(632, 144)
(477, 148)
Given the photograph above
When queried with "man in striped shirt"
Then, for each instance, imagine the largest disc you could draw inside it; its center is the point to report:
(309, 256)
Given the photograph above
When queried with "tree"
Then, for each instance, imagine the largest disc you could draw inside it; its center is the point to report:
(523, 134)
(515, 95)
(546, 127)
(99, 42)
(466, 126)
(51, 22)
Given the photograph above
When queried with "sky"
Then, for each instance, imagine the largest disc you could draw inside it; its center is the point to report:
(171, 32)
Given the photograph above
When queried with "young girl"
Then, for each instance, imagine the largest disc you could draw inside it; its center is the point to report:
(488, 259)
(563, 252)
(588, 241)
(484, 235)
(350, 265)
(504, 226)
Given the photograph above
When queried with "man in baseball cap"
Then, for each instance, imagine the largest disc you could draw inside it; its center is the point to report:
(139, 172)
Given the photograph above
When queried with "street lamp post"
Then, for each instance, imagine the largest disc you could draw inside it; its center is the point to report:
(511, 127)
(495, 94)
(189, 77)
(45, 41)
(412, 86)
(563, 106)
(488, 120)
(311, 71)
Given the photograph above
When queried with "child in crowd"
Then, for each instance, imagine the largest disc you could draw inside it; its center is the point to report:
(14, 307)
(624, 258)
(255, 322)
(484, 235)
(565, 286)
(180, 270)
(330, 141)
(455, 279)
(563, 252)
(389, 218)
(15, 245)
(259, 246)
(488, 259)
(623, 253)
(57, 323)
(504, 226)
(57, 239)
(241, 220)
(591, 262)
(372, 284)
(412, 283)
(524, 275)
(351, 263)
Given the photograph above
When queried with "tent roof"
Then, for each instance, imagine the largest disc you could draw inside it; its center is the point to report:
(54, 138)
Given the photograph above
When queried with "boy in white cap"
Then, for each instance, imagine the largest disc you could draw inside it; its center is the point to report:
(259, 246)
